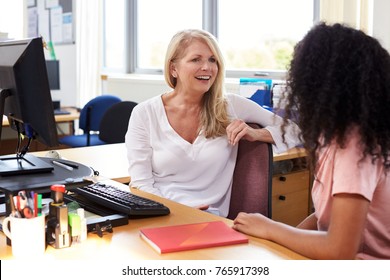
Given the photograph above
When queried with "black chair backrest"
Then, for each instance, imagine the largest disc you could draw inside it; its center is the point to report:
(252, 179)
(115, 121)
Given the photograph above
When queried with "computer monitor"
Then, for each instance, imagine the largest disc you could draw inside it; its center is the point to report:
(25, 99)
(53, 73)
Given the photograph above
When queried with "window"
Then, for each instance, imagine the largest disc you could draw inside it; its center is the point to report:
(256, 36)
(157, 22)
(259, 35)
(114, 36)
(11, 19)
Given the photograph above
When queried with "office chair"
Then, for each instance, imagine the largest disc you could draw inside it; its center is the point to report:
(115, 121)
(252, 179)
(90, 117)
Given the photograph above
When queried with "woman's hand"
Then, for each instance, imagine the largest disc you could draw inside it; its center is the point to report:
(238, 129)
(252, 224)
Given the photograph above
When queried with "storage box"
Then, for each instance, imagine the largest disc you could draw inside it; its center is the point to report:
(258, 90)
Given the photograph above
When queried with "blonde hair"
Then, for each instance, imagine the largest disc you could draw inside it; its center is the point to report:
(214, 117)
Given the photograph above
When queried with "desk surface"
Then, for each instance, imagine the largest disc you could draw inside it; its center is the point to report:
(74, 115)
(291, 154)
(111, 160)
(125, 242)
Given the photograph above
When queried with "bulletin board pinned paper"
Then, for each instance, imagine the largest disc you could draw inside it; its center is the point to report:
(51, 19)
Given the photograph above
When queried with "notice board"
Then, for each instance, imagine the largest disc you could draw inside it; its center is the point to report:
(51, 19)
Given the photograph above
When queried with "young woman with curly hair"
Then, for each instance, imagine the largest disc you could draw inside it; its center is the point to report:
(339, 85)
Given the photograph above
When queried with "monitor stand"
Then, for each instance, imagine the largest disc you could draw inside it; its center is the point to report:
(10, 165)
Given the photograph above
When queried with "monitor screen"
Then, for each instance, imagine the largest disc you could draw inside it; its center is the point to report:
(25, 96)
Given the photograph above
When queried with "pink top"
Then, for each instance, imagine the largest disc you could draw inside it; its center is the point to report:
(341, 172)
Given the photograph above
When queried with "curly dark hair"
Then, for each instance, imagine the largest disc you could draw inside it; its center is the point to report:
(339, 77)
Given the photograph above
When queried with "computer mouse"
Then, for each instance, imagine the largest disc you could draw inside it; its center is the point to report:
(53, 154)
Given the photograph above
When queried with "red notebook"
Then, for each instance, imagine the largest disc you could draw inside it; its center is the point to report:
(191, 236)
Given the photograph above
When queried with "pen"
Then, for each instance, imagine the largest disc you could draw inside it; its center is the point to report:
(74, 165)
(35, 205)
(30, 199)
(70, 168)
(18, 206)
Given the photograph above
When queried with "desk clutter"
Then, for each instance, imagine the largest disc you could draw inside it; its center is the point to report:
(125, 241)
(27, 204)
(63, 220)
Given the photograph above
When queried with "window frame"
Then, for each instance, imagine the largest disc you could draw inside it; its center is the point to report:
(209, 23)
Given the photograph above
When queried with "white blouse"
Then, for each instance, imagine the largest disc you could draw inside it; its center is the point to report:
(201, 173)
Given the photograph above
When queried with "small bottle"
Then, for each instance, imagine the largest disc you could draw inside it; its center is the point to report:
(51, 50)
(83, 222)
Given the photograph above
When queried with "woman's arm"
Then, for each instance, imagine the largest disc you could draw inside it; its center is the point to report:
(139, 153)
(341, 241)
(238, 129)
(245, 110)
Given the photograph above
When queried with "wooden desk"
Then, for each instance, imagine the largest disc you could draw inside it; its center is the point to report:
(290, 154)
(74, 115)
(291, 200)
(111, 160)
(126, 244)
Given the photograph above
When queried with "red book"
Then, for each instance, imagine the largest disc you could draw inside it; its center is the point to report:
(191, 236)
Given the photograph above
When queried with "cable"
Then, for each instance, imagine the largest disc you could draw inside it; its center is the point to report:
(19, 140)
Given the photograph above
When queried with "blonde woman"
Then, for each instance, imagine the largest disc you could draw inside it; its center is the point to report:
(182, 144)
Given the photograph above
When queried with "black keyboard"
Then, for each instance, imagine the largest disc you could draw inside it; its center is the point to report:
(122, 201)
(61, 112)
(88, 204)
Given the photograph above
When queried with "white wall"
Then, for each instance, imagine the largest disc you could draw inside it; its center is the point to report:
(381, 24)
(141, 87)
